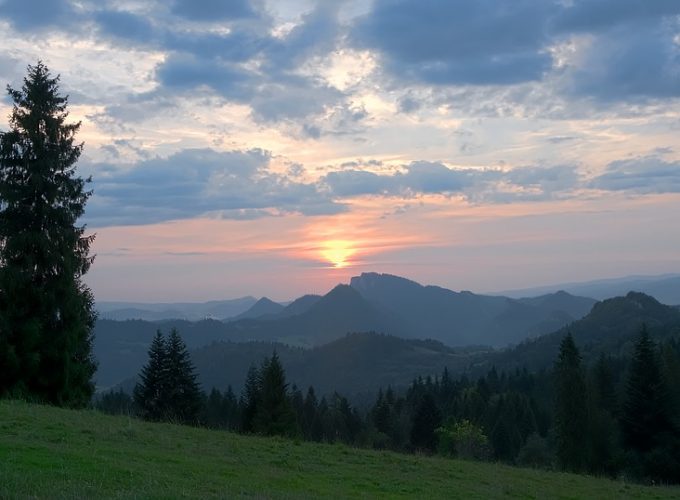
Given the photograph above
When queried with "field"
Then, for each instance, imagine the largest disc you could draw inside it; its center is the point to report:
(47, 452)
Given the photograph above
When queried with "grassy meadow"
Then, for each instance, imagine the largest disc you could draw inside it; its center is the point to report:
(47, 452)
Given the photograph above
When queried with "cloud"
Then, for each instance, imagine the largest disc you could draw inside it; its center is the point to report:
(246, 64)
(479, 185)
(458, 42)
(124, 25)
(590, 16)
(195, 182)
(643, 175)
(213, 10)
(625, 64)
(188, 72)
(30, 15)
(550, 179)
(420, 177)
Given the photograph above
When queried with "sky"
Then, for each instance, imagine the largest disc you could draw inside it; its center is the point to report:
(261, 147)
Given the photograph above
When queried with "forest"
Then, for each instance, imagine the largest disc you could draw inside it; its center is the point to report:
(616, 416)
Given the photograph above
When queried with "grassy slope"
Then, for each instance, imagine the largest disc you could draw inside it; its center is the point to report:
(49, 452)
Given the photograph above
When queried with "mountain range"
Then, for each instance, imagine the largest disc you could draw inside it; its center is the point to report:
(664, 288)
(358, 364)
(191, 311)
(371, 302)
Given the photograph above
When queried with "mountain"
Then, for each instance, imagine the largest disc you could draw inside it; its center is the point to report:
(379, 303)
(192, 311)
(611, 328)
(463, 318)
(121, 347)
(299, 306)
(262, 308)
(664, 288)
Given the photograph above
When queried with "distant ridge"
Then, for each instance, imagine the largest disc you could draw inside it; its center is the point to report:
(610, 328)
(261, 308)
(664, 288)
(191, 311)
(463, 318)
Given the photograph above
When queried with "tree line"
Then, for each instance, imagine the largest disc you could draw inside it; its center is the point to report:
(618, 416)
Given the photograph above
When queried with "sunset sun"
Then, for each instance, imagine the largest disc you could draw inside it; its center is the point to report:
(337, 252)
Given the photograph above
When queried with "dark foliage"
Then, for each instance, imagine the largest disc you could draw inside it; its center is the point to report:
(649, 431)
(571, 414)
(46, 311)
(168, 390)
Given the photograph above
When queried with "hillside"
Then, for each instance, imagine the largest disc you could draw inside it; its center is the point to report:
(47, 452)
(464, 318)
(610, 327)
(355, 364)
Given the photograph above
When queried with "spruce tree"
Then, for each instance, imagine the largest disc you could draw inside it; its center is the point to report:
(250, 398)
(649, 432)
(274, 415)
(183, 392)
(571, 415)
(150, 394)
(426, 421)
(46, 311)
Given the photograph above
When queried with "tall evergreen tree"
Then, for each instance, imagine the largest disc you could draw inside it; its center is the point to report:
(183, 392)
(571, 414)
(46, 311)
(250, 398)
(647, 425)
(150, 394)
(274, 415)
(426, 420)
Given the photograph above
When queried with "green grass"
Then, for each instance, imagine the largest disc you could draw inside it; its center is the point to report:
(53, 453)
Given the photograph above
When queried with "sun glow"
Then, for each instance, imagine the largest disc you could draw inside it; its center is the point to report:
(337, 252)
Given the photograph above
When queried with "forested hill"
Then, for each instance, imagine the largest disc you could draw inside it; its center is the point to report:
(609, 328)
(355, 364)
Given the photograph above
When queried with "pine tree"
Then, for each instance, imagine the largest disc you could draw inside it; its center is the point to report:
(46, 311)
(649, 431)
(426, 420)
(274, 415)
(250, 398)
(150, 394)
(603, 426)
(571, 416)
(184, 394)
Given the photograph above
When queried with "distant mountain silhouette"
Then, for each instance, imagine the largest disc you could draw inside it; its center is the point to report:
(610, 328)
(373, 302)
(299, 306)
(262, 308)
(664, 288)
(361, 362)
(463, 318)
(191, 311)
